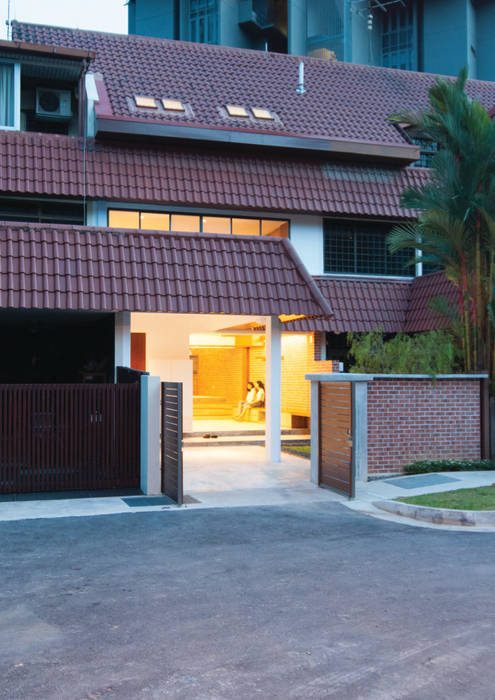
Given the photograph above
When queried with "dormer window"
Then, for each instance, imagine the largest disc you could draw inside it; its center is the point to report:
(9, 95)
(427, 149)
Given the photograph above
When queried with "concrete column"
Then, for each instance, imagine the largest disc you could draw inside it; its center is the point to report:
(151, 481)
(122, 340)
(360, 430)
(297, 29)
(315, 433)
(273, 402)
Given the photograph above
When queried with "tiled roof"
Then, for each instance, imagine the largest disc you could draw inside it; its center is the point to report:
(343, 100)
(46, 266)
(45, 164)
(419, 315)
(362, 305)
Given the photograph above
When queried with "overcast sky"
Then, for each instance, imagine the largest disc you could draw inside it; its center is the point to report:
(104, 15)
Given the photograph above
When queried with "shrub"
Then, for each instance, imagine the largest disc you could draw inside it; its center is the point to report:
(433, 352)
(449, 465)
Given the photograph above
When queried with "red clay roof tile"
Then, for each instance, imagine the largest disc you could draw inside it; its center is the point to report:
(66, 267)
(420, 317)
(45, 164)
(208, 77)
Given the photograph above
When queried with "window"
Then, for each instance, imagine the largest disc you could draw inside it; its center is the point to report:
(399, 37)
(203, 21)
(196, 223)
(10, 103)
(361, 248)
(427, 150)
(325, 28)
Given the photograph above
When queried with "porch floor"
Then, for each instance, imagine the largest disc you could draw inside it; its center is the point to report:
(239, 476)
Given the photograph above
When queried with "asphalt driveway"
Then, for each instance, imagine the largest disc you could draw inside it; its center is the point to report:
(311, 601)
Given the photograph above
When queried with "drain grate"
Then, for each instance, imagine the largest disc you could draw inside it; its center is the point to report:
(420, 481)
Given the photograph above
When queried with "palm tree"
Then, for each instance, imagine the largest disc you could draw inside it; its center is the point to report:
(455, 228)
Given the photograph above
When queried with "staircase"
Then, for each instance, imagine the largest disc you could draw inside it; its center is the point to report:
(212, 406)
(237, 438)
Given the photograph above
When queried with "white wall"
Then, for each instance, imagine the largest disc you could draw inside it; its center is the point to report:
(306, 235)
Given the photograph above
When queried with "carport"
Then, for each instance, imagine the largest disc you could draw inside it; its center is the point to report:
(101, 270)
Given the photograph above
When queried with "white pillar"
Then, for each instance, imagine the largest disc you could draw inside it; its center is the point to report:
(315, 433)
(151, 478)
(273, 388)
(122, 340)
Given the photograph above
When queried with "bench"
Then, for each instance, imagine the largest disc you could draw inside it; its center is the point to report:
(257, 415)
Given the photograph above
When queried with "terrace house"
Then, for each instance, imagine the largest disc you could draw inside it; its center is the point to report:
(194, 211)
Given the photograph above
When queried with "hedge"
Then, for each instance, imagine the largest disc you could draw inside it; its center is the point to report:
(449, 465)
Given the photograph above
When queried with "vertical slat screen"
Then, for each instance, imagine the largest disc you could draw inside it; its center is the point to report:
(58, 437)
(172, 441)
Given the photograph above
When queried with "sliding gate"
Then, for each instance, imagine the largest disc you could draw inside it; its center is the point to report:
(61, 437)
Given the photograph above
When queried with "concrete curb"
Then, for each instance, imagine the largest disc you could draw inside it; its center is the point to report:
(438, 516)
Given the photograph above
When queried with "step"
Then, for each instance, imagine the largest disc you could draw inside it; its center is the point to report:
(240, 432)
(209, 399)
(242, 441)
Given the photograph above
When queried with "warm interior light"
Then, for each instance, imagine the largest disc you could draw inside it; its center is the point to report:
(237, 111)
(174, 105)
(148, 102)
(261, 113)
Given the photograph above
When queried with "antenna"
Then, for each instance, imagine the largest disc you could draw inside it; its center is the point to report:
(8, 22)
(300, 88)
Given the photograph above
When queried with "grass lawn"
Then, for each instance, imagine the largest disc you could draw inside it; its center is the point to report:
(482, 498)
(305, 450)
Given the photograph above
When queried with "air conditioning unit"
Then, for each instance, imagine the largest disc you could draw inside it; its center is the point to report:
(53, 104)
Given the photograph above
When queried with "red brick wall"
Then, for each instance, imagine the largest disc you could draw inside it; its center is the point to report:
(409, 420)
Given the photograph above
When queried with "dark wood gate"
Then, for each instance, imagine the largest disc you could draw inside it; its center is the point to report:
(336, 464)
(61, 437)
(172, 441)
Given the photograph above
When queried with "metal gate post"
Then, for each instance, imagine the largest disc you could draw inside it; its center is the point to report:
(150, 435)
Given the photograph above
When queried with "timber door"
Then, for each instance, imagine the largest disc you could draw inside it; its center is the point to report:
(336, 464)
(172, 441)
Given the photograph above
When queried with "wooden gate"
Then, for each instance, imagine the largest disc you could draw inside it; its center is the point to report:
(61, 437)
(336, 464)
(172, 441)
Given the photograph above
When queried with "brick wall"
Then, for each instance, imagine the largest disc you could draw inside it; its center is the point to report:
(409, 420)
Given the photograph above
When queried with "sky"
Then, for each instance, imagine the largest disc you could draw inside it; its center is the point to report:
(103, 15)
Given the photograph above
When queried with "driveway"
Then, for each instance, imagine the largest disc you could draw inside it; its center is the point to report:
(307, 601)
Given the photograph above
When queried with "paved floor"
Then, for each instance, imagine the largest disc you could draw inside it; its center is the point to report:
(308, 601)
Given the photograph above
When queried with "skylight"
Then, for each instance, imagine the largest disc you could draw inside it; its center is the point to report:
(261, 113)
(173, 105)
(148, 102)
(236, 111)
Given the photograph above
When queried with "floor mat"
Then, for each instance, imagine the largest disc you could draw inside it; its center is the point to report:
(144, 501)
(420, 481)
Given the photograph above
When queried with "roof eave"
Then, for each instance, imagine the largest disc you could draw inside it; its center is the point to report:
(124, 127)
(24, 47)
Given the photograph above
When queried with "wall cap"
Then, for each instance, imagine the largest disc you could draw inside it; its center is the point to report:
(354, 377)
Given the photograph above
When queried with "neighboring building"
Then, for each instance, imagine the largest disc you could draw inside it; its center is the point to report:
(178, 196)
(438, 36)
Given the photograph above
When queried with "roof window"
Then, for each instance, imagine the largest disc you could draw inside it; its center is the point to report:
(173, 105)
(148, 102)
(237, 111)
(261, 113)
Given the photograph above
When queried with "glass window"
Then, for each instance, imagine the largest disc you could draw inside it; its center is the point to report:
(399, 37)
(361, 248)
(216, 224)
(246, 227)
(325, 28)
(277, 229)
(185, 222)
(157, 222)
(122, 218)
(203, 21)
(7, 95)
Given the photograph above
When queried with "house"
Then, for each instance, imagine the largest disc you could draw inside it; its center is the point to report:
(187, 210)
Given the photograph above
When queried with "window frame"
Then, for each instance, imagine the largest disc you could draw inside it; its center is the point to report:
(355, 224)
(215, 215)
(17, 95)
